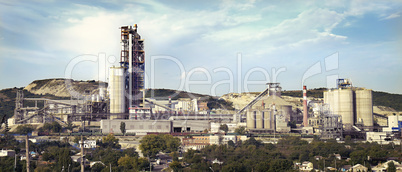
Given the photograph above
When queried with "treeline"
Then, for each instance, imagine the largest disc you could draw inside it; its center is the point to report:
(386, 99)
(253, 155)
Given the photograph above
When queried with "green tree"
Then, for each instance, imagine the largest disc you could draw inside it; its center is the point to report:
(25, 129)
(123, 128)
(77, 139)
(63, 158)
(176, 166)
(281, 165)
(224, 128)
(127, 162)
(391, 167)
(231, 143)
(241, 130)
(171, 143)
(97, 167)
(110, 141)
(252, 141)
(70, 126)
(151, 145)
(56, 127)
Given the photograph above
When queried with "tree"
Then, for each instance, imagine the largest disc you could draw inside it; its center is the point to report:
(97, 167)
(172, 143)
(224, 128)
(127, 162)
(111, 141)
(56, 127)
(151, 145)
(391, 167)
(123, 128)
(175, 166)
(231, 143)
(77, 139)
(252, 141)
(70, 126)
(241, 130)
(25, 129)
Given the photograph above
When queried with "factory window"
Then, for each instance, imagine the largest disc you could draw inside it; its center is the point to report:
(149, 126)
(158, 127)
(105, 126)
(131, 126)
(113, 126)
(141, 127)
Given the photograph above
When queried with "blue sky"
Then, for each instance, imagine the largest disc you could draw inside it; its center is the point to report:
(220, 45)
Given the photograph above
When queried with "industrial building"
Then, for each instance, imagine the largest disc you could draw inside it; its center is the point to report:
(269, 112)
(353, 104)
(142, 127)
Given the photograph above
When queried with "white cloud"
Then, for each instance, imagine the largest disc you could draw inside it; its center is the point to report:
(392, 16)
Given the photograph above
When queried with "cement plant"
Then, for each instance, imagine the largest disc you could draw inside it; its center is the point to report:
(344, 112)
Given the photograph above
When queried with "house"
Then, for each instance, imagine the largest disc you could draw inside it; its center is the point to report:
(338, 156)
(358, 167)
(346, 167)
(306, 166)
(95, 162)
(317, 157)
(216, 161)
(383, 166)
(4, 153)
(195, 143)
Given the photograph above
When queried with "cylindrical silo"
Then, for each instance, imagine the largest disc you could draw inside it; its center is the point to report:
(251, 115)
(345, 105)
(116, 90)
(286, 111)
(364, 107)
(341, 103)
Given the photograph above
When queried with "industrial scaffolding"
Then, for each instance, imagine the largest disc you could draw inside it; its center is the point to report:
(133, 61)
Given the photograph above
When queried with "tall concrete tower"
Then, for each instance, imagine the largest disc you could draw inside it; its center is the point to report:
(132, 59)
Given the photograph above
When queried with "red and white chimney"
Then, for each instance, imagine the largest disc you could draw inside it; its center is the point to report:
(305, 120)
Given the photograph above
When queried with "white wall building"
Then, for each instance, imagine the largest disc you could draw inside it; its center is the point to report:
(392, 123)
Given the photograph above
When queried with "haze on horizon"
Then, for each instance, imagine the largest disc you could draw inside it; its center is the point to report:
(211, 44)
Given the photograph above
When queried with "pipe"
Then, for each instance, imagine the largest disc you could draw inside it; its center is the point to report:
(305, 119)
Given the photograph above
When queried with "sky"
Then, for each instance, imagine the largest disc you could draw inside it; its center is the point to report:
(209, 47)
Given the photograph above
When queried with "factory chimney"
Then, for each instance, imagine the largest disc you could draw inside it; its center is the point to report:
(305, 120)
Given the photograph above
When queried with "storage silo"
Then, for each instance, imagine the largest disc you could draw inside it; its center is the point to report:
(364, 107)
(286, 111)
(251, 119)
(259, 121)
(341, 103)
(345, 101)
(116, 90)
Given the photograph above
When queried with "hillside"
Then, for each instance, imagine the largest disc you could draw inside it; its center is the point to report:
(57, 87)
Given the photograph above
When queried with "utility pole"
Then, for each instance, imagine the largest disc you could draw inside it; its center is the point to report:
(27, 151)
(15, 161)
(82, 154)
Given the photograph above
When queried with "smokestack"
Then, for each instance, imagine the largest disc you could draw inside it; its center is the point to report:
(305, 121)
